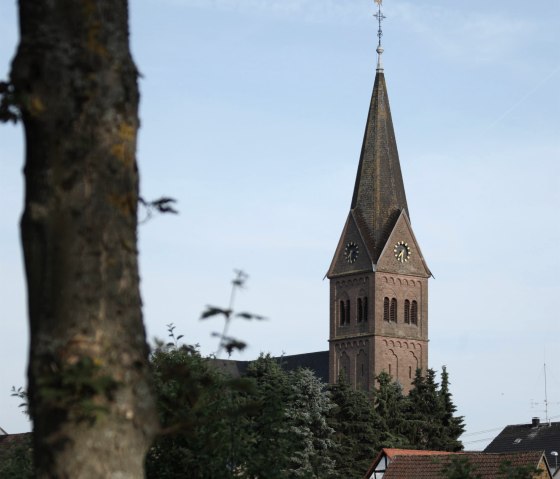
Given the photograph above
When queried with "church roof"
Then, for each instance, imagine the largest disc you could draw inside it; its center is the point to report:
(318, 362)
(379, 196)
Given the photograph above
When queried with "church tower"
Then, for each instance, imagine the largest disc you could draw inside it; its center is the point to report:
(378, 276)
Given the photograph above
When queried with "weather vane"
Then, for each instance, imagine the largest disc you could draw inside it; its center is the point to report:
(380, 17)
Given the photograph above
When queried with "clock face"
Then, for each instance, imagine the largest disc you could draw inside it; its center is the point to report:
(402, 251)
(351, 252)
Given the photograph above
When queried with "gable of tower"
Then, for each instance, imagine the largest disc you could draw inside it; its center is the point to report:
(351, 239)
(402, 239)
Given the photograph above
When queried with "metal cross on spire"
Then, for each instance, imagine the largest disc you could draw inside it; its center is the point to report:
(380, 17)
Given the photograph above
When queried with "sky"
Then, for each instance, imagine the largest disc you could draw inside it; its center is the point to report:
(252, 117)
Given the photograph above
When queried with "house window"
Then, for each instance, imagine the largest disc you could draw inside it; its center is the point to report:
(414, 313)
(365, 308)
(342, 313)
(347, 311)
(407, 311)
(386, 309)
(393, 311)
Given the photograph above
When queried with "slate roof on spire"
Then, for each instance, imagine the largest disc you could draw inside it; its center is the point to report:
(379, 195)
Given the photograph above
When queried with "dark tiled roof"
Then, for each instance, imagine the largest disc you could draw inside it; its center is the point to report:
(432, 467)
(318, 363)
(527, 437)
(379, 195)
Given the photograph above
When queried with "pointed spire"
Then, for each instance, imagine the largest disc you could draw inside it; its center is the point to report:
(379, 195)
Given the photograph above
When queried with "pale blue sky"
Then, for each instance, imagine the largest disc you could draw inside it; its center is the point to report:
(252, 117)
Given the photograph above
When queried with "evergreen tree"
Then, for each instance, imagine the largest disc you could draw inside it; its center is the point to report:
(307, 417)
(355, 423)
(424, 412)
(270, 436)
(429, 414)
(453, 426)
(389, 403)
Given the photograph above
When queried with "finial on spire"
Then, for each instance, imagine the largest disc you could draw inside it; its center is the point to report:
(380, 17)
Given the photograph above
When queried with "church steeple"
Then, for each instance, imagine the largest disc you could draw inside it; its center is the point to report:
(379, 195)
(378, 276)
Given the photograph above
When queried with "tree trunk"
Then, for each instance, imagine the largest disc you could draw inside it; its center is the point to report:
(76, 86)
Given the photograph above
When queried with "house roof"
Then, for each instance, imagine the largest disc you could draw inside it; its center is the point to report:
(486, 465)
(392, 453)
(528, 437)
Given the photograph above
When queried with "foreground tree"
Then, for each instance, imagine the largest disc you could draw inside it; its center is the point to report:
(75, 85)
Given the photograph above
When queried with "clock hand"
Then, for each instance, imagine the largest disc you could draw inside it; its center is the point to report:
(400, 256)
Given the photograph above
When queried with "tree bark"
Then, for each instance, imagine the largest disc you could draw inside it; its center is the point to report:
(76, 87)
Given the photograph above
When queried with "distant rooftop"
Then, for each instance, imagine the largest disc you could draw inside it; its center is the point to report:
(529, 437)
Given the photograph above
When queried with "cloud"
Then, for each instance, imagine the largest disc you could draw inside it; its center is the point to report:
(468, 36)
(303, 10)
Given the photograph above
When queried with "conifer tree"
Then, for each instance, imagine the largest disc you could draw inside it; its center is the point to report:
(270, 438)
(389, 403)
(356, 430)
(424, 412)
(307, 417)
(453, 426)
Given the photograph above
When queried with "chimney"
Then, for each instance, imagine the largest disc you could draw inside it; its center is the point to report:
(535, 422)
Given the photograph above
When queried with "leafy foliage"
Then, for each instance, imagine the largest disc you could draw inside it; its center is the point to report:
(229, 343)
(16, 460)
(460, 467)
(8, 108)
(201, 412)
(78, 388)
(160, 205)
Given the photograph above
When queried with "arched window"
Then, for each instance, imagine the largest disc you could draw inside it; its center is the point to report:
(386, 309)
(347, 311)
(360, 311)
(407, 311)
(393, 311)
(344, 367)
(365, 307)
(362, 370)
(342, 314)
(414, 313)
